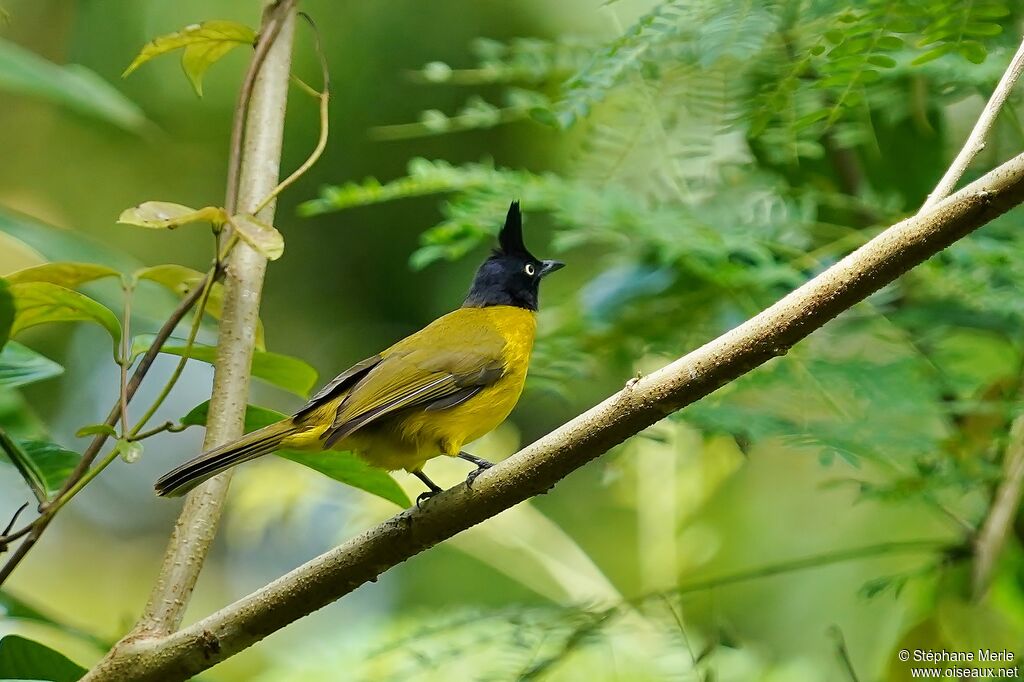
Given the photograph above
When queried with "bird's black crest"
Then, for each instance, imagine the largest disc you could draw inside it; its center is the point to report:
(511, 236)
(511, 274)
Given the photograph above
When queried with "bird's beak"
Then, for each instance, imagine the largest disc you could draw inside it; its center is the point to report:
(549, 266)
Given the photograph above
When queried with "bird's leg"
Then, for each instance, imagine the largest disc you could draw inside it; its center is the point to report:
(480, 463)
(434, 488)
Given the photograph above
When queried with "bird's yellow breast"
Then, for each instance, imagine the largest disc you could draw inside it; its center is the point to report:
(482, 413)
(406, 440)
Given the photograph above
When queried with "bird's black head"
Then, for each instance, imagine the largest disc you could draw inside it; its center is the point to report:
(511, 276)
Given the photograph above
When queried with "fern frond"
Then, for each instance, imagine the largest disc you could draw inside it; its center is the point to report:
(609, 67)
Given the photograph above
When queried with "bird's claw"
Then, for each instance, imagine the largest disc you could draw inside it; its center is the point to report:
(476, 472)
(424, 496)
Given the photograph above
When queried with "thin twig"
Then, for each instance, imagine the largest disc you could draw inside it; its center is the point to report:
(977, 139)
(9, 535)
(843, 653)
(14, 519)
(816, 560)
(164, 333)
(197, 321)
(266, 38)
(324, 96)
(125, 360)
(1001, 515)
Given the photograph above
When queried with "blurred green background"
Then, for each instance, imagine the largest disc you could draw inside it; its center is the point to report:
(732, 150)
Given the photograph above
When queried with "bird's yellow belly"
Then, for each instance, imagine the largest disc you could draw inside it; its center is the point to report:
(406, 440)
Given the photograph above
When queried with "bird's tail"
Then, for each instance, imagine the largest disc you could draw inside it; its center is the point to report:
(212, 462)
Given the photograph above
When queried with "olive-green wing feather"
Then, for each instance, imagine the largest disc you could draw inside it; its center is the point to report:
(339, 384)
(436, 368)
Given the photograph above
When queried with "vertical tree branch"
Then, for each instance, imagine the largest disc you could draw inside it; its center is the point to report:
(992, 537)
(258, 172)
(989, 542)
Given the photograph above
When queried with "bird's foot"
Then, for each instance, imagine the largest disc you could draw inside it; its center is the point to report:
(481, 466)
(424, 496)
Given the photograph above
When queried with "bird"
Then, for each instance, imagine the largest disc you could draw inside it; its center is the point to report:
(427, 395)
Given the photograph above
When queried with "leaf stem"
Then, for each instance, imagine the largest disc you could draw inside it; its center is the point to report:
(263, 45)
(170, 427)
(180, 367)
(321, 144)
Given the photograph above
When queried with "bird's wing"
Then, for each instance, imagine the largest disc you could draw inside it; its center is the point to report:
(436, 368)
(339, 385)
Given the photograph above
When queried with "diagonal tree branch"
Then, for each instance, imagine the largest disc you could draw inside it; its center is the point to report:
(538, 467)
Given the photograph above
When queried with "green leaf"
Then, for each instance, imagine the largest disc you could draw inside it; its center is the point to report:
(255, 417)
(69, 275)
(884, 61)
(345, 467)
(348, 468)
(71, 86)
(973, 51)
(41, 302)
(204, 44)
(259, 235)
(23, 659)
(47, 463)
(96, 429)
(16, 254)
(283, 371)
(28, 469)
(15, 607)
(20, 365)
(182, 281)
(161, 215)
(934, 54)
(6, 312)
(196, 59)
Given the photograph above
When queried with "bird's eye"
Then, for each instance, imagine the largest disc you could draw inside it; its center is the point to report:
(530, 269)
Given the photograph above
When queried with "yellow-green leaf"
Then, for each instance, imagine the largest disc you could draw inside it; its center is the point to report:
(6, 312)
(167, 215)
(204, 44)
(70, 275)
(199, 57)
(259, 235)
(182, 281)
(16, 254)
(96, 429)
(41, 302)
